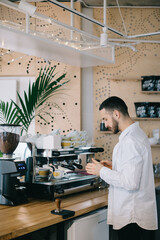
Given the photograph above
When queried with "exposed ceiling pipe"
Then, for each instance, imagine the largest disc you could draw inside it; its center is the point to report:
(105, 12)
(104, 38)
(99, 23)
(126, 38)
(133, 41)
(126, 45)
(72, 18)
(50, 46)
(85, 16)
(49, 20)
(120, 13)
(144, 35)
(122, 6)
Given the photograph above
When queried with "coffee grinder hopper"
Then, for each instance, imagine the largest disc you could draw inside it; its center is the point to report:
(9, 139)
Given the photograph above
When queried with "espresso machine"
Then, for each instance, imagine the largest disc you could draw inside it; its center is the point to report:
(72, 161)
(11, 192)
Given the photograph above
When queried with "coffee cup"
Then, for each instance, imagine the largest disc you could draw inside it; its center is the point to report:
(66, 144)
(43, 172)
(58, 174)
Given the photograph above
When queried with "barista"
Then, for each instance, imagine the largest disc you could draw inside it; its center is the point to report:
(131, 202)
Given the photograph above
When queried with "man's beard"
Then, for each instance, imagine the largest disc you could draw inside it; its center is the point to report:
(115, 127)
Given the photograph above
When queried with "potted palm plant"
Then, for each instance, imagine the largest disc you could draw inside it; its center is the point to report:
(45, 86)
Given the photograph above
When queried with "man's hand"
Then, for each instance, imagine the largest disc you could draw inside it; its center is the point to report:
(94, 167)
(107, 163)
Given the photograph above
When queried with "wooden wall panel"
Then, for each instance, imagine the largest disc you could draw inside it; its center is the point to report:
(16, 64)
(130, 64)
(122, 78)
(67, 117)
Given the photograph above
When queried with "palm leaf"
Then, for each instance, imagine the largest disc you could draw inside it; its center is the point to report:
(49, 93)
(13, 117)
(41, 90)
(23, 106)
(8, 113)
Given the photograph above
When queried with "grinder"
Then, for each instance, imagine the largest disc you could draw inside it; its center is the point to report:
(11, 193)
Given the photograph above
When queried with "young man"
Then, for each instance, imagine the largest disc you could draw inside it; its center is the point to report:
(131, 201)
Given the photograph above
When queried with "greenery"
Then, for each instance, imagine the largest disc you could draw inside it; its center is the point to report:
(39, 92)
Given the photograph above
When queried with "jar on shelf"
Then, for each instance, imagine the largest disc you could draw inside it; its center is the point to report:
(157, 84)
(148, 83)
(102, 126)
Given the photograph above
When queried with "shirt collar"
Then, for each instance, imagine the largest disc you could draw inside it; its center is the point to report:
(128, 129)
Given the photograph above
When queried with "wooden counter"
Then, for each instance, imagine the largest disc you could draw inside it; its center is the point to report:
(20, 220)
(157, 182)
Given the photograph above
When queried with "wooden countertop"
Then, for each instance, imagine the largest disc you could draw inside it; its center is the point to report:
(157, 182)
(20, 220)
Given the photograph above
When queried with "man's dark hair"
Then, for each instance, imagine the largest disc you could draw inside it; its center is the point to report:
(114, 103)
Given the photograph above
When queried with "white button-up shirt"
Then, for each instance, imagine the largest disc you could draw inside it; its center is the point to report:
(132, 192)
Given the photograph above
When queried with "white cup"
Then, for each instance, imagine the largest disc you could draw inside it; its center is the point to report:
(58, 174)
(153, 140)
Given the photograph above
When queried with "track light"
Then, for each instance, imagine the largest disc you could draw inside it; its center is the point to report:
(26, 7)
(104, 37)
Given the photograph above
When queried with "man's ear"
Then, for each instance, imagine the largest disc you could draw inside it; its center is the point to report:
(116, 114)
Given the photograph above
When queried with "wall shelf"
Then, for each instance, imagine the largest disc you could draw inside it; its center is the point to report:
(155, 146)
(109, 132)
(151, 92)
(146, 119)
(106, 132)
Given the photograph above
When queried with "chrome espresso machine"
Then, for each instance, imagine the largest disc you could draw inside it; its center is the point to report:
(72, 161)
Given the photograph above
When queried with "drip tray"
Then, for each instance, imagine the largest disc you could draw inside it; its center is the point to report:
(69, 177)
(73, 176)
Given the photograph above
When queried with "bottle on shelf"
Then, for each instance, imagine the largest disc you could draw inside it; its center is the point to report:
(102, 126)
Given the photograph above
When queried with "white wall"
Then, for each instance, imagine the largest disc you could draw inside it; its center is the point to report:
(8, 89)
(87, 85)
